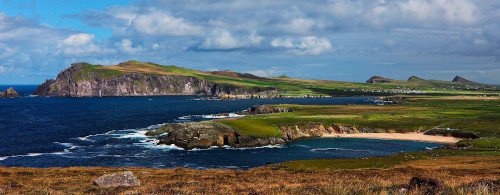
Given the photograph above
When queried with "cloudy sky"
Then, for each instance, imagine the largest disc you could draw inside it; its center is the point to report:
(335, 40)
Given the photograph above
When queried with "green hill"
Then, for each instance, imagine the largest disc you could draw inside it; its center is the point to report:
(284, 86)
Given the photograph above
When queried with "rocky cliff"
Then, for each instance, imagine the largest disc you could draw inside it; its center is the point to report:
(84, 80)
(9, 93)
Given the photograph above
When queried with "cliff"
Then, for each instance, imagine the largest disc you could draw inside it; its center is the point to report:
(140, 79)
(9, 93)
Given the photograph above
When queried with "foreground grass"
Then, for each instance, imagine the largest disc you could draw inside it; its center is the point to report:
(477, 115)
(453, 171)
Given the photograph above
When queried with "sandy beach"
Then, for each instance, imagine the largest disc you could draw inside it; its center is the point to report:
(399, 136)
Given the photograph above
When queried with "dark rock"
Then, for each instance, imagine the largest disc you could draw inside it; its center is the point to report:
(459, 79)
(378, 79)
(426, 185)
(481, 186)
(123, 179)
(265, 110)
(9, 93)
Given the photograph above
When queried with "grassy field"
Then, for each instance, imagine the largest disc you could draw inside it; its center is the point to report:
(480, 115)
(456, 173)
(289, 86)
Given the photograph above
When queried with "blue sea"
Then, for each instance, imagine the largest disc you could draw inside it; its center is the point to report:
(110, 131)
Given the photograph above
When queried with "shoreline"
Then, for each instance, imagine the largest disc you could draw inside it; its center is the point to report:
(413, 136)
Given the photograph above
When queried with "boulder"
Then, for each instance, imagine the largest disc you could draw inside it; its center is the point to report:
(9, 93)
(123, 179)
(425, 185)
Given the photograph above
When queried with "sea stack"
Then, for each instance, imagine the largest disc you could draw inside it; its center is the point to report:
(9, 93)
(378, 79)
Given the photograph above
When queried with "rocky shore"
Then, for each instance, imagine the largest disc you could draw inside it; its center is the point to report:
(208, 134)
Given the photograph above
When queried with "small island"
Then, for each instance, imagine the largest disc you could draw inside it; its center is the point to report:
(9, 93)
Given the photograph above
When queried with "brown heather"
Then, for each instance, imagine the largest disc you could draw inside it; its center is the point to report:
(453, 172)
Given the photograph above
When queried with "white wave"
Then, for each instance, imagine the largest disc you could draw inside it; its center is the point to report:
(22, 155)
(431, 148)
(135, 134)
(339, 149)
(65, 144)
(233, 148)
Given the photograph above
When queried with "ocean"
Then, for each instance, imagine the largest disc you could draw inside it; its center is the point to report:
(110, 131)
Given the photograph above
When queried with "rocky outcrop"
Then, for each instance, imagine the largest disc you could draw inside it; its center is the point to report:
(207, 134)
(459, 79)
(263, 109)
(80, 80)
(211, 133)
(123, 179)
(378, 79)
(9, 93)
(415, 78)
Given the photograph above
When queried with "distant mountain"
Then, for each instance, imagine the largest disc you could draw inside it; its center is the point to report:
(378, 79)
(415, 78)
(459, 79)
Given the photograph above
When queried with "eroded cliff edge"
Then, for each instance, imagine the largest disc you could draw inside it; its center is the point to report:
(137, 79)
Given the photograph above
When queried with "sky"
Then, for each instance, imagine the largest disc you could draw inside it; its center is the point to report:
(321, 39)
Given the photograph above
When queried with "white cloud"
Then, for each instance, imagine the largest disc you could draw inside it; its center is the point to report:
(81, 44)
(309, 45)
(161, 23)
(79, 39)
(300, 26)
(2, 69)
(126, 46)
(222, 39)
(287, 43)
(453, 11)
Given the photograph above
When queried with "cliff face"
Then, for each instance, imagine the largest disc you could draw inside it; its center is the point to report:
(76, 81)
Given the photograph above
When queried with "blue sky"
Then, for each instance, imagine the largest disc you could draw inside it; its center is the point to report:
(327, 39)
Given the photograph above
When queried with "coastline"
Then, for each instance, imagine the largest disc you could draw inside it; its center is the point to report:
(413, 136)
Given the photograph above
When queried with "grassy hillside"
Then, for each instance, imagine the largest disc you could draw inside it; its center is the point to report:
(290, 86)
(480, 115)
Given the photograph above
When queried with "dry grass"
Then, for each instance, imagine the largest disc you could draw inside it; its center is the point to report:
(452, 171)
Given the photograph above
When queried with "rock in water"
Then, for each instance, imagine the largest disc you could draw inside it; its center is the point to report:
(123, 179)
(9, 93)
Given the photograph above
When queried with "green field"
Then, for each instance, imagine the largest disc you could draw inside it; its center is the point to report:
(477, 115)
(290, 86)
